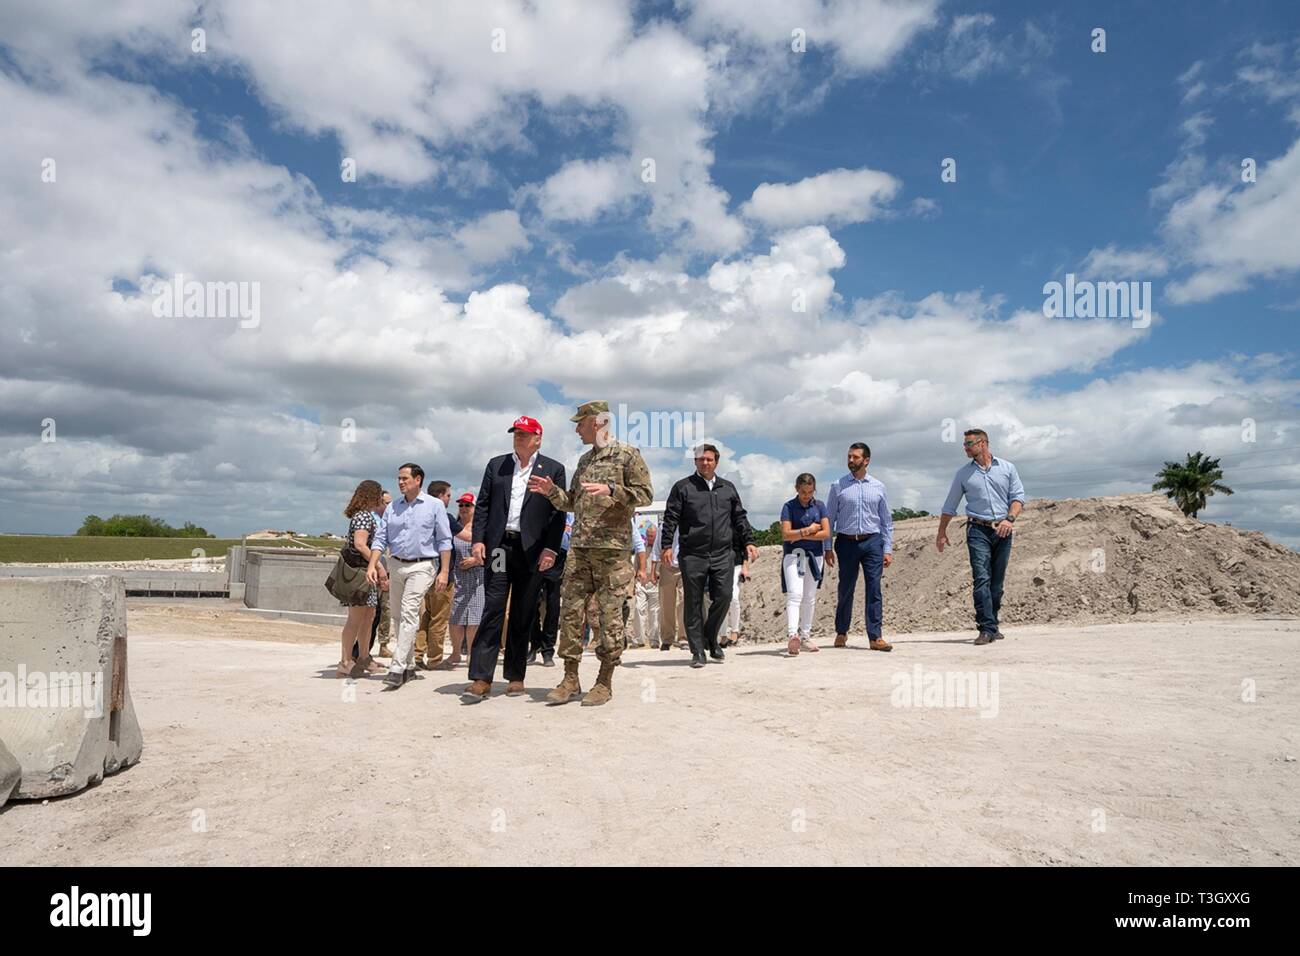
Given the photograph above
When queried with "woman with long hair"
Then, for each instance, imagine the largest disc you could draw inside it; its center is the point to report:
(362, 525)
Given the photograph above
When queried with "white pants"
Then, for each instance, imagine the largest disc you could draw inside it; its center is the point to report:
(408, 583)
(800, 595)
(733, 612)
(645, 617)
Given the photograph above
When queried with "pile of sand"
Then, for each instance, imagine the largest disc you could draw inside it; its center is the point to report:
(1075, 560)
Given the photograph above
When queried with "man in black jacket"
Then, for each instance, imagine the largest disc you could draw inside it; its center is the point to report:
(517, 534)
(707, 511)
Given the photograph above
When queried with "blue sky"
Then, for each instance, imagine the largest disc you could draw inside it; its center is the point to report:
(475, 270)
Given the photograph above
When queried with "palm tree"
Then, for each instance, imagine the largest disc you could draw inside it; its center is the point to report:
(1191, 482)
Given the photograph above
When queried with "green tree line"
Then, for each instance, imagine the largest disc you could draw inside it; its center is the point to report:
(138, 526)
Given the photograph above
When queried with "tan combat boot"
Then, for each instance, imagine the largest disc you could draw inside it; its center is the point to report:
(603, 689)
(568, 688)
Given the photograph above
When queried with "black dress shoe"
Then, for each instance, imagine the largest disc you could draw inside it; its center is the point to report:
(532, 657)
(717, 655)
(394, 680)
(548, 660)
(665, 647)
(697, 660)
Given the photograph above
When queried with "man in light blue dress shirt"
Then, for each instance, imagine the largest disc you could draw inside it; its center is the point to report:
(994, 496)
(415, 532)
(863, 528)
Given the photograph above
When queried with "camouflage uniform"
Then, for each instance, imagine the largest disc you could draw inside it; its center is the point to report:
(600, 550)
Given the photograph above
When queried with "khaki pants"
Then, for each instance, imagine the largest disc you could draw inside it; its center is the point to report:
(407, 585)
(645, 620)
(384, 633)
(434, 616)
(671, 601)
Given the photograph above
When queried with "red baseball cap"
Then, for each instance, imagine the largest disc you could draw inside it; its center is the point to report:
(465, 499)
(525, 424)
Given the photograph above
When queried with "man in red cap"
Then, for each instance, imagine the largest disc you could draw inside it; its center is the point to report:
(517, 534)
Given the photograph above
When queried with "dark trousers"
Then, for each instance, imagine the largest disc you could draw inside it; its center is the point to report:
(547, 625)
(867, 555)
(701, 575)
(988, 565)
(517, 583)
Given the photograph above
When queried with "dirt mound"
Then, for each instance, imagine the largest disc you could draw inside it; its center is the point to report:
(1075, 560)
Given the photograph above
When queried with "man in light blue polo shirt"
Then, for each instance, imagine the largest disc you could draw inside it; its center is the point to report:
(415, 532)
(863, 528)
(994, 497)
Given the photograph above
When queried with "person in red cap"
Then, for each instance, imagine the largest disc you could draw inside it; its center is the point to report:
(517, 535)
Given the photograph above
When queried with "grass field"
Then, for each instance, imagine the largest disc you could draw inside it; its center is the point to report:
(73, 549)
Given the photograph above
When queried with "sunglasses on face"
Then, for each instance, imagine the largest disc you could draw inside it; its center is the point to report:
(968, 444)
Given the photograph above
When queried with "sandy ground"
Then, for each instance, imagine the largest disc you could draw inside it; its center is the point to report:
(1111, 744)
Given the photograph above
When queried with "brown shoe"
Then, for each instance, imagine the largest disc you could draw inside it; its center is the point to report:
(568, 688)
(984, 638)
(515, 689)
(880, 644)
(841, 640)
(603, 690)
(475, 692)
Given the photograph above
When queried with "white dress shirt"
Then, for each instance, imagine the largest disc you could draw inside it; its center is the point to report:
(519, 488)
(654, 553)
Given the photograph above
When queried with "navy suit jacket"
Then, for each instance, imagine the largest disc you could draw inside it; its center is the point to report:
(541, 524)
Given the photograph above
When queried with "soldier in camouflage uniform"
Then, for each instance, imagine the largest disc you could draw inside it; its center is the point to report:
(609, 484)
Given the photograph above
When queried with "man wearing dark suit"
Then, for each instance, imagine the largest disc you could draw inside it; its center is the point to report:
(517, 533)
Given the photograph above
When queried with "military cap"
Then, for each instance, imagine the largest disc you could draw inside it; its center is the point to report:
(590, 408)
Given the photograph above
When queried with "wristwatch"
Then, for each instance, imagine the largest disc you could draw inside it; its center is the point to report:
(1011, 518)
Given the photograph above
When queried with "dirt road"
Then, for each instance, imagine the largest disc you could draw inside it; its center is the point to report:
(1116, 744)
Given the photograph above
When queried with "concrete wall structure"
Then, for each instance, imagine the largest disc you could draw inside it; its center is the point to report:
(10, 773)
(291, 581)
(65, 706)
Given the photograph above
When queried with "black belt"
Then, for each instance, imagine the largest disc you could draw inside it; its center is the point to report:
(513, 535)
(857, 537)
(409, 560)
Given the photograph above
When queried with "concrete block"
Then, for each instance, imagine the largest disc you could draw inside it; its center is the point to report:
(289, 582)
(65, 706)
(235, 557)
(10, 773)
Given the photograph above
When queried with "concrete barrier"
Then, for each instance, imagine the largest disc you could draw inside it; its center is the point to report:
(10, 773)
(289, 582)
(65, 707)
(235, 557)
